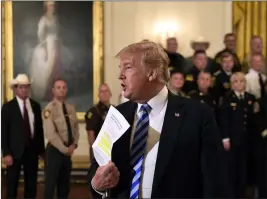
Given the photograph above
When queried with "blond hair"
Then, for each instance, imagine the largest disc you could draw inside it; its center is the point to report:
(152, 55)
(236, 75)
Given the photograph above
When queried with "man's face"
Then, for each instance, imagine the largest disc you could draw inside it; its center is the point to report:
(22, 91)
(200, 61)
(230, 42)
(104, 93)
(256, 62)
(60, 89)
(204, 81)
(177, 81)
(228, 63)
(172, 45)
(256, 45)
(133, 76)
(239, 83)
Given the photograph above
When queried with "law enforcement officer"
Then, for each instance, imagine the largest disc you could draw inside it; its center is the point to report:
(176, 82)
(95, 116)
(200, 64)
(222, 77)
(61, 130)
(203, 93)
(177, 61)
(230, 47)
(236, 115)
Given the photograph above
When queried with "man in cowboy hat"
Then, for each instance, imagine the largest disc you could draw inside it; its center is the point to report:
(201, 44)
(22, 138)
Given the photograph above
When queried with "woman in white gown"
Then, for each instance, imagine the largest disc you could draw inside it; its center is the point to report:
(45, 63)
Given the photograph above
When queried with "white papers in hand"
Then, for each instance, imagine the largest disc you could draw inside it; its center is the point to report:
(115, 125)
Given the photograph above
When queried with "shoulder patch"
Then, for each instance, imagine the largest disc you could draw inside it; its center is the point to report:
(226, 85)
(89, 115)
(189, 78)
(46, 113)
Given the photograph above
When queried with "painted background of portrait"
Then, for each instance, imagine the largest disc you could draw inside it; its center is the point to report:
(65, 41)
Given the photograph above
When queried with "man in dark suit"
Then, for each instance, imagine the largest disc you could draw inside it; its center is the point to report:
(162, 155)
(22, 138)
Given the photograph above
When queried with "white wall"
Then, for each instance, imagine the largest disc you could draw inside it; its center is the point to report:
(128, 22)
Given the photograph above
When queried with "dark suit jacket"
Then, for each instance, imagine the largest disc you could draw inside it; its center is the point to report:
(190, 155)
(12, 133)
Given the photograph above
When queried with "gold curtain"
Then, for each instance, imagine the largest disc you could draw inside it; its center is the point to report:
(249, 18)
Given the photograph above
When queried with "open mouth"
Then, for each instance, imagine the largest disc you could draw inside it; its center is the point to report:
(123, 87)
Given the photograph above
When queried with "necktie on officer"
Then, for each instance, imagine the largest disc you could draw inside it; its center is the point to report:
(138, 149)
(66, 115)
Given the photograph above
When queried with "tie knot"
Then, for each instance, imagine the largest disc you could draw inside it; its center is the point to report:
(146, 108)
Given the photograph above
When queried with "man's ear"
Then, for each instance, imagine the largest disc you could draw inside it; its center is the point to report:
(152, 75)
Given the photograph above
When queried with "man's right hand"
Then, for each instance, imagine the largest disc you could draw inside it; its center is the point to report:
(106, 177)
(8, 160)
(71, 149)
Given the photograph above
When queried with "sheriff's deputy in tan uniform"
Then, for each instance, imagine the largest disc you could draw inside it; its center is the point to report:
(61, 130)
(96, 115)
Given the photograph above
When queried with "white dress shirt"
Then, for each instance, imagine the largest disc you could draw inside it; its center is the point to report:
(253, 84)
(30, 112)
(156, 119)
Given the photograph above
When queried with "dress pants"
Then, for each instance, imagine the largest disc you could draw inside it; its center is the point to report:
(237, 171)
(57, 173)
(29, 161)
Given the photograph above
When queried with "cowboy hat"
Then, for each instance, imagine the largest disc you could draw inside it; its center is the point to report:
(21, 79)
(200, 40)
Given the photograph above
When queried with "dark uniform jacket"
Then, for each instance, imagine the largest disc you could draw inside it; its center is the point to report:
(177, 61)
(191, 80)
(95, 117)
(206, 98)
(221, 85)
(237, 66)
(236, 118)
(190, 157)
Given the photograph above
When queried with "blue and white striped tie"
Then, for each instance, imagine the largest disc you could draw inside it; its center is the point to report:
(138, 148)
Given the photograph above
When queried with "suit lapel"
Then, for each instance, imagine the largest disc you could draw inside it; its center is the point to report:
(17, 108)
(174, 116)
(124, 141)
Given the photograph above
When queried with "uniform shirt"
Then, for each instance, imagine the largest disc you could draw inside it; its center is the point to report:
(236, 117)
(95, 117)
(191, 80)
(30, 112)
(55, 126)
(253, 84)
(221, 85)
(206, 98)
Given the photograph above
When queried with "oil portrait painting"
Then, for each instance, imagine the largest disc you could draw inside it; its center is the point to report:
(54, 40)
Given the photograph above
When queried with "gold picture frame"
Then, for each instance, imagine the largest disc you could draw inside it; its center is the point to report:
(7, 49)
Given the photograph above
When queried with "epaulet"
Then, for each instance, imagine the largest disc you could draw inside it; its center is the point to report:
(217, 73)
(192, 92)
